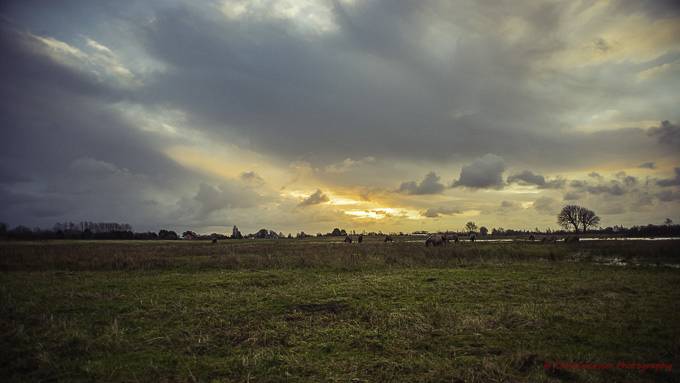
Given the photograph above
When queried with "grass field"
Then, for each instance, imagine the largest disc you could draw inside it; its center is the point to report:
(290, 310)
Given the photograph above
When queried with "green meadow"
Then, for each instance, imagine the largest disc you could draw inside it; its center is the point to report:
(298, 311)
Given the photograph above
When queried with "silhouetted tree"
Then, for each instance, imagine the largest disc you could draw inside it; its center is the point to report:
(189, 235)
(483, 231)
(577, 216)
(569, 216)
(587, 218)
(471, 227)
(235, 233)
(167, 234)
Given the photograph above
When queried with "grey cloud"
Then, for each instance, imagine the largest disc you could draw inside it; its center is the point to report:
(91, 165)
(215, 204)
(615, 187)
(429, 185)
(439, 211)
(628, 181)
(577, 184)
(654, 8)
(528, 177)
(546, 205)
(612, 209)
(643, 200)
(670, 181)
(667, 133)
(571, 196)
(225, 196)
(601, 44)
(484, 172)
(252, 177)
(507, 207)
(668, 195)
(315, 198)
(647, 165)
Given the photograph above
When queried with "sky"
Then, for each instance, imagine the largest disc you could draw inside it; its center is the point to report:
(305, 115)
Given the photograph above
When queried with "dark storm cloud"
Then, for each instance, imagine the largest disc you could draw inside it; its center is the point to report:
(249, 79)
(429, 185)
(437, 82)
(372, 80)
(315, 198)
(484, 172)
(654, 8)
(57, 120)
(667, 133)
(528, 177)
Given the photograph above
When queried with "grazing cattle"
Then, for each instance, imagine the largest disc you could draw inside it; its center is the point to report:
(348, 239)
(436, 240)
(473, 237)
(361, 238)
(388, 238)
(214, 240)
(571, 239)
(532, 238)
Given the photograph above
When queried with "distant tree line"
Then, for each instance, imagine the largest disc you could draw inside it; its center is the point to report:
(122, 231)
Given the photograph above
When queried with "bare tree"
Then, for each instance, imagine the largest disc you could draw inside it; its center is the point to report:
(569, 216)
(577, 216)
(587, 218)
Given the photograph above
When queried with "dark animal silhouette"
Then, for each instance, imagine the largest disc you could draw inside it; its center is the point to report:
(361, 238)
(473, 237)
(214, 240)
(532, 238)
(348, 239)
(436, 240)
(388, 238)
